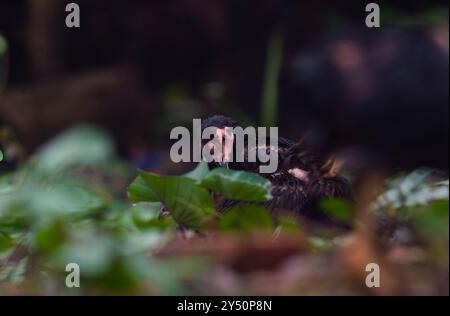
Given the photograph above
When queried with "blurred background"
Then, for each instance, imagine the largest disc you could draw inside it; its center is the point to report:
(82, 108)
(142, 67)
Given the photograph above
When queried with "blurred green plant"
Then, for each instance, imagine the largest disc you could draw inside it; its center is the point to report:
(3, 46)
(80, 146)
(56, 210)
(187, 202)
(431, 17)
(3, 62)
(51, 216)
(187, 198)
(421, 203)
(246, 218)
(269, 97)
(338, 209)
(237, 185)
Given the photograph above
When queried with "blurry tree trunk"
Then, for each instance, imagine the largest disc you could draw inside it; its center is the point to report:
(44, 24)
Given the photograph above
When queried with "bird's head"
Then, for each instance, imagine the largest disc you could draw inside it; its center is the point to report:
(223, 136)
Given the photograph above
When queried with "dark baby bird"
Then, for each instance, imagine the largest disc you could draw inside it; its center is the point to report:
(301, 180)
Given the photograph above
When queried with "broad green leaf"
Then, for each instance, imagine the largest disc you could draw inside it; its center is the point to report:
(337, 208)
(79, 146)
(187, 202)
(237, 185)
(199, 172)
(139, 191)
(245, 218)
(146, 216)
(38, 201)
(62, 199)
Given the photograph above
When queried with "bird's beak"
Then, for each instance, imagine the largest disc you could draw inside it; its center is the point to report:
(226, 141)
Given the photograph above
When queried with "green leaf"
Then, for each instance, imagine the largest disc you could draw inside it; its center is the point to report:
(187, 202)
(337, 208)
(245, 218)
(146, 216)
(62, 199)
(79, 146)
(6, 242)
(49, 237)
(431, 221)
(199, 172)
(237, 185)
(139, 191)
(93, 249)
(93, 252)
(288, 224)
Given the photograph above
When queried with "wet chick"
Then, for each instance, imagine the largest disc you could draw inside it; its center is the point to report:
(302, 178)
